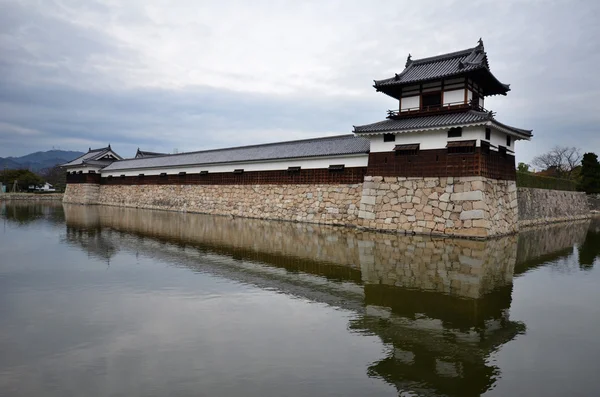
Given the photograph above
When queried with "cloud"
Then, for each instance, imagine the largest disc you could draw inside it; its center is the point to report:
(193, 75)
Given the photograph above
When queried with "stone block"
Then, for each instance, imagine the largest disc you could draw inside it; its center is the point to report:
(473, 214)
(467, 196)
(368, 200)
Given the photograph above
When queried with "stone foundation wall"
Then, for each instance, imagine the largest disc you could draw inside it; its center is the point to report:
(82, 193)
(451, 206)
(325, 204)
(455, 206)
(594, 202)
(537, 206)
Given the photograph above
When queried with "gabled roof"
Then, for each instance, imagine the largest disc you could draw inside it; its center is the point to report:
(472, 62)
(143, 153)
(94, 157)
(328, 146)
(440, 121)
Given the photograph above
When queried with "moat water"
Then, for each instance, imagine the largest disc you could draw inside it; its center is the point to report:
(104, 301)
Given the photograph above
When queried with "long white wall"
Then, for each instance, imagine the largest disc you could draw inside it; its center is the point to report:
(84, 170)
(305, 163)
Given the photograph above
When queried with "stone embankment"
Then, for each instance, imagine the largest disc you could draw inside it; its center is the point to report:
(467, 206)
(538, 206)
(594, 202)
(324, 204)
(31, 196)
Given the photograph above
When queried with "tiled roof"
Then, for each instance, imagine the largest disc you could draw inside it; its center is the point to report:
(90, 155)
(329, 146)
(142, 153)
(421, 123)
(442, 66)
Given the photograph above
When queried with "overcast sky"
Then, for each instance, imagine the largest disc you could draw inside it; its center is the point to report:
(191, 75)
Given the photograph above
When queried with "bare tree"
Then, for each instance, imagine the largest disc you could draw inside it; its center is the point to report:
(562, 160)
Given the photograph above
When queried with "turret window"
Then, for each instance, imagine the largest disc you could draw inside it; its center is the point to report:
(488, 134)
(455, 132)
(389, 137)
(508, 140)
(431, 100)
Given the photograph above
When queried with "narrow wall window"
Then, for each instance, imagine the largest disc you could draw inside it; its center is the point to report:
(508, 140)
(389, 137)
(336, 167)
(455, 132)
(488, 134)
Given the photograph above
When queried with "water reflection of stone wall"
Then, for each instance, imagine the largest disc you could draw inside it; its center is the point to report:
(318, 243)
(441, 306)
(538, 244)
(455, 267)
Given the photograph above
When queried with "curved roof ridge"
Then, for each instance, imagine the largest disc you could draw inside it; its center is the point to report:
(444, 56)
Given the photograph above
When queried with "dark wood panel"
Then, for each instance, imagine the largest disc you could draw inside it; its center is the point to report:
(354, 175)
(440, 163)
(83, 178)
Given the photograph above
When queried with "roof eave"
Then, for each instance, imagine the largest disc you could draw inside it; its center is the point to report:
(421, 129)
(357, 154)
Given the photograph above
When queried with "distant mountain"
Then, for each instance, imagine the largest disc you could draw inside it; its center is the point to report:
(38, 161)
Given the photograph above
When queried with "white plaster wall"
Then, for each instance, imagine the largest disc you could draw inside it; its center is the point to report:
(454, 96)
(409, 102)
(428, 139)
(85, 170)
(498, 138)
(306, 163)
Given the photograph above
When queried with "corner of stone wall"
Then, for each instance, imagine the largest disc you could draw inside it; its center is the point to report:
(475, 207)
(82, 193)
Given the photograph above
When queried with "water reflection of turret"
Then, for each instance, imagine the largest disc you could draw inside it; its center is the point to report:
(441, 306)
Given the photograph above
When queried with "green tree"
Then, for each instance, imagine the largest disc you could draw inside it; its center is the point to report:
(24, 178)
(590, 174)
(522, 167)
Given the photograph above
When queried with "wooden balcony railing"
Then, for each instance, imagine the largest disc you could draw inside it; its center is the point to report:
(435, 109)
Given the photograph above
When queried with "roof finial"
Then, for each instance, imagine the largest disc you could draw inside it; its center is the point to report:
(480, 43)
(408, 60)
(90, 149)
(109, 145)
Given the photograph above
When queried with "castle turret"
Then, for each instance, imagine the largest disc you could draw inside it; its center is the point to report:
(442, 132)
